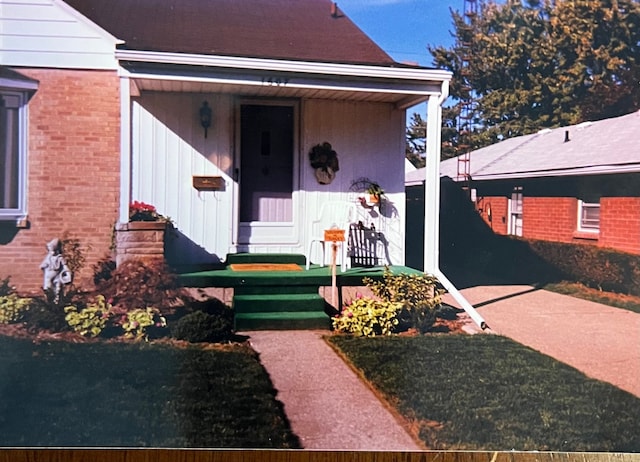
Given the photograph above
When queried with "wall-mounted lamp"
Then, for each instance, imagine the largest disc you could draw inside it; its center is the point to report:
(205, 117)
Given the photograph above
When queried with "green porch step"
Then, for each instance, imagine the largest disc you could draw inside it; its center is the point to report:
(291, 320)
(278, 310)
(277, 289)
(278, 303)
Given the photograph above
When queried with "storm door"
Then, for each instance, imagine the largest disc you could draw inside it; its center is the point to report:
(266, 176)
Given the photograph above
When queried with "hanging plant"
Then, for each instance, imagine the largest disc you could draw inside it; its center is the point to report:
(373, 193)
(325, 162)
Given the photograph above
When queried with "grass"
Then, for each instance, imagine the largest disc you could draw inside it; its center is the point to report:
(486, 392)
(627, 302)
(137, 395)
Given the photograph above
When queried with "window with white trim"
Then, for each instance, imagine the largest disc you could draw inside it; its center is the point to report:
(588, 216)
(13, 146)
(515, 211)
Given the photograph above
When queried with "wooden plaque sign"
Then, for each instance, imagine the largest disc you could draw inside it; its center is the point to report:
(334, 235)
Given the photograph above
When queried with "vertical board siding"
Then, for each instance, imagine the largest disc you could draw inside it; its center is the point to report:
(369, 141)
(169, 148)
(43, 33)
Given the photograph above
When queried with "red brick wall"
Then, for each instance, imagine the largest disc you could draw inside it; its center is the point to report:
(73, 171)
(499, 206)
(620, 223)
(549, 218)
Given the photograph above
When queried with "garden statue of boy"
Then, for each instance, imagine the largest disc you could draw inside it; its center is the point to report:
(54, 266)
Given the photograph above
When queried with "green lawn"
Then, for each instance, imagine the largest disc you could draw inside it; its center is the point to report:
(488, 392)
(137, 395)
(627, 302)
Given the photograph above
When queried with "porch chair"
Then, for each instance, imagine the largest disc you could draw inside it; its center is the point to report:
(333, 214)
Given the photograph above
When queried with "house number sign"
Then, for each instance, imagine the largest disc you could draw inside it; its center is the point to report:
(275, 81)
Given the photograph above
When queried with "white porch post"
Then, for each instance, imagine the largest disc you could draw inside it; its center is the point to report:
(125, 148)
(432, 203)
(432, 185)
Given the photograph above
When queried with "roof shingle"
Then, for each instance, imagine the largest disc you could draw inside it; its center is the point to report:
(605, 146)
(302, 30)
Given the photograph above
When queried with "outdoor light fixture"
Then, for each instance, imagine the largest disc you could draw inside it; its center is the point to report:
(205, 117)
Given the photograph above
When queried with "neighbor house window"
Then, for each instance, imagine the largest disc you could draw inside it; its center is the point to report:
(12, 155)
(588, 216)
(515, 212)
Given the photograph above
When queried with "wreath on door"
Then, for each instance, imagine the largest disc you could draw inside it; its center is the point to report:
(324, 161)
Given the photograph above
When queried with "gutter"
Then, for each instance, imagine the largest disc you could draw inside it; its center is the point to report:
(279, 65)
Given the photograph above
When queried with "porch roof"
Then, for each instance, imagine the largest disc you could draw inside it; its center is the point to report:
(260, 77)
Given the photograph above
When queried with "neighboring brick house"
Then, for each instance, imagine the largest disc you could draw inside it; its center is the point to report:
(101, 106)
(575, 184)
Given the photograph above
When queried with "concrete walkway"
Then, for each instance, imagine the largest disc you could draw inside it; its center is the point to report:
(601, 341)
(327, 404)
(330, 408)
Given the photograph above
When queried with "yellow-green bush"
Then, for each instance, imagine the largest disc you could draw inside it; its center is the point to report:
(137, 322)
(366, 317)
(419, 296)
(90, 320)
(12, 308)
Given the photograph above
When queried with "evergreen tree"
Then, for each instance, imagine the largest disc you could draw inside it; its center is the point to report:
(531, 64)
(415, 140)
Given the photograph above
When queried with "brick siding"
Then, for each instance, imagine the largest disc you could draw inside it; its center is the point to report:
(499, 206)
(73, 171)
(556, 219)
(549, 218)
(620, 223)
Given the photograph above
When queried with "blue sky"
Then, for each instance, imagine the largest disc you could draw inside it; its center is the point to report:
(404, 28)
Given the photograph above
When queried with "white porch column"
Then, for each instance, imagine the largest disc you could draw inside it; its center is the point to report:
(432, 203)
(432, 185)
(125, 148)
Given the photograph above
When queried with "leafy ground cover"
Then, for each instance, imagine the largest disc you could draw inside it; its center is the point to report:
(137, 395)
(486, 392)
(627, 302)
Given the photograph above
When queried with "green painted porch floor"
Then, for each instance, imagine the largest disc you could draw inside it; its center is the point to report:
(269, 300)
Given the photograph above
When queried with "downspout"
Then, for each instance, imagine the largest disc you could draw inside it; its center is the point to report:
(432, 204)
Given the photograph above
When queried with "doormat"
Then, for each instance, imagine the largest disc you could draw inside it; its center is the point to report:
(265, 267)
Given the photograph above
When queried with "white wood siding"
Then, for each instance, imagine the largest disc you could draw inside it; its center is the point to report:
(369, 141)
(48, 33)
(168, 149)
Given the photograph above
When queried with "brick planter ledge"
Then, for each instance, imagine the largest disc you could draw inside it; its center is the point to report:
(143, 240)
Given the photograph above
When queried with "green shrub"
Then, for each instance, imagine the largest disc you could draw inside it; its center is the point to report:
(5, 287)
(47, 311)
(447, 312)
(418, 295)
(74, 254)
(199, 327)
(90, 320)
(13, 308)
(138, 322)
(366, 317)
(599, 268)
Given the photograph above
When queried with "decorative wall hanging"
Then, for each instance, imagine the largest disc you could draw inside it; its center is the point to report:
(324, 160)
(373, 194)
